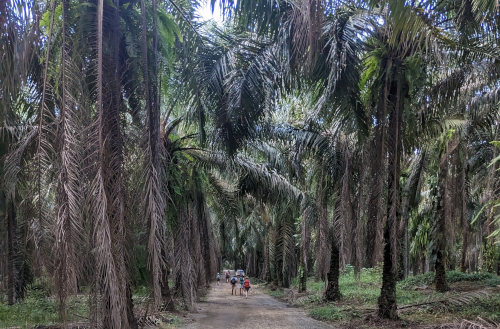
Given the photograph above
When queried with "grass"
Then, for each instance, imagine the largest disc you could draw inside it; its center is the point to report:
(359, 297)
(38, 308)
(487, 279)
(333, 313)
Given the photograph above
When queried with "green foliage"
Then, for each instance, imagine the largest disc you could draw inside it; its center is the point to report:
(451, 276)
(333, 313)
(489, 256)
(487, 307)
(38, 309)
(45, 21)
(278, 293)
(363, 294)
(366, 290)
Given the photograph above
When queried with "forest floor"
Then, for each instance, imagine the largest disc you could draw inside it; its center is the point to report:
(220, 310)
(472, 297)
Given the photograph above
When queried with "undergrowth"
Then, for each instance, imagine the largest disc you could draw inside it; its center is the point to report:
(488, 279)
(359, 296)
(39, 308)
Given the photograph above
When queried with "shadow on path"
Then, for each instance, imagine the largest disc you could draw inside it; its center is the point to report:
(260, 311)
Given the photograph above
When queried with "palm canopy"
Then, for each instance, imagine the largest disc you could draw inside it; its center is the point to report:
(298, 138)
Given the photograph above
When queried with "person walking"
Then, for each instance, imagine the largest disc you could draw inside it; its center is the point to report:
(234, 280)
(246, 286)
(227, 276)
(242, 280)
(218, 278)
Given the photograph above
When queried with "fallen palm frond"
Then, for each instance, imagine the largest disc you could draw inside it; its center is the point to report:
(461, 299)
(467, 324)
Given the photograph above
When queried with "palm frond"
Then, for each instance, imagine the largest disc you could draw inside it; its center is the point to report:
(256, 179)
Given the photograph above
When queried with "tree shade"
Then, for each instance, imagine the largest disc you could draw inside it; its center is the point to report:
(140, 147)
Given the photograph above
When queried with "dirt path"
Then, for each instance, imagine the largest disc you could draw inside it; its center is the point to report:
(260, 311)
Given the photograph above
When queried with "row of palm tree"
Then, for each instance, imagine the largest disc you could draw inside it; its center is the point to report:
(142, 147)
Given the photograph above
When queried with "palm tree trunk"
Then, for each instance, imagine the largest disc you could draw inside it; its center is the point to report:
(278, 255)
(360, 216)
(287, 232)
(373, 214)
(205, 238)
(377, 165)
(345, 246)
(464, 223)
(237, 251)
(440, 265)
(303, 257)
(166, 294)
(332, 291)
(111, 274)
(387, 307)
(267, 266)
(12, 271)
(465, 244)
(322, 248)
(404, 254)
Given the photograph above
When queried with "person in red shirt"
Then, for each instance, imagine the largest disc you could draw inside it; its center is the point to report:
(246, 285)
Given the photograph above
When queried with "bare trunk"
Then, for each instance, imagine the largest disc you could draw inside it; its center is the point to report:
(463, 256)
(267, 267)
(205, 238)
(303, 257)
(361, 213)
(322, 248)
(387, 307)
(345, 246)
(12, 271)
(332, 291)
(440, 266)
(462, 190)
(374, 201)
(278, 255)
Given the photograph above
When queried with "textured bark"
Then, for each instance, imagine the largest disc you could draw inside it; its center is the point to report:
(408, 202)
(378, 151)
(440, 266)
(332, 291)
(373, 215)
(278, 255)
(287, 232)
(267, 266)
(440, 278)
(404, 252)
(205, 239)
(347, 213)
(12, 270)
(303, 256)
(465, 244)
(168, 302)
(322, 247)
(361, 213)
(237, 254)
(387, 300)
(463, 211)
(387, 307)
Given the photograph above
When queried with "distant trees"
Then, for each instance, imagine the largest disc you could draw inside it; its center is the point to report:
(139, 146)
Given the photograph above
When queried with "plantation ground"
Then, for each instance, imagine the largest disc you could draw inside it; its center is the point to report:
(220, 310)
(471, 297)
